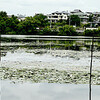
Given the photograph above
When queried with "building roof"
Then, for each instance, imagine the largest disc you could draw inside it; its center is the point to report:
(96, 13)
(62, 12)
(76, 11)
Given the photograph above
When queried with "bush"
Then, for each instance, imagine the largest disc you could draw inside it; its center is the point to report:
(67, 31)
(92, 32)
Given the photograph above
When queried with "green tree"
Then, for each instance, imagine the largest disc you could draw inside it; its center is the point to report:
(48, 31)
(28, 26)
(74, 20)
(61, 23)
(42, 19)
(67, 30)
(95, 32)
(11, 25)
(3, 18)
(3, 14)
(90, 18)
(8, 25)
(87, 25)
(2, 26)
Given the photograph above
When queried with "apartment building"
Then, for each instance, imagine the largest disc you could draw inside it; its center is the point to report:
(83, 16)
(56, 16)
(21, 17)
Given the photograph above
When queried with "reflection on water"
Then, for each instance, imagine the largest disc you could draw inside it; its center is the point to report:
(61, 53)
(47, 42)
(45, 91)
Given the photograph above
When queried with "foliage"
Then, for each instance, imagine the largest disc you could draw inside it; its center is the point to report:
(42, 19)
(3, 14)
(92, 32)
(48, 31)
(61, 23)
(8, 24)
(28, 26)
(87, 25)
(74, 20)
(90, 18)
(39, 25)
(67, 30)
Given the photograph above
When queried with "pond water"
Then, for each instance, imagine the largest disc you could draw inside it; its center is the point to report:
(45, 91)
(65, 62)
(55, 60)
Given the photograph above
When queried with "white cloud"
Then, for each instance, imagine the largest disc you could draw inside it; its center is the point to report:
(30, 7)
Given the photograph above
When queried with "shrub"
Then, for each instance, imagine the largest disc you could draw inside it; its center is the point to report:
(67, 30)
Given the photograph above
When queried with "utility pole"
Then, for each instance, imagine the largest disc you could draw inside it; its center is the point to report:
(80, 20)
(90, 81)
(69, 19)
(50, 24)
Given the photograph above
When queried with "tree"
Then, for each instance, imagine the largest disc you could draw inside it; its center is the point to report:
(3, 14)
(48, 31)
(8, 25)
(74, 20)
(2, 26)
(87, 25)
(95, 32)
(60, 23)
(67, 30)
(28, 26)
(3, 18)
(90, 18)
(11, 24)
(42, 19)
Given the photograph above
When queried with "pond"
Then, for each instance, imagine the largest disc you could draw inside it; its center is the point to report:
(45, 91)
(48, 67)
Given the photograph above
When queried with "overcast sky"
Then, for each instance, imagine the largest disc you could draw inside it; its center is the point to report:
(30, 7)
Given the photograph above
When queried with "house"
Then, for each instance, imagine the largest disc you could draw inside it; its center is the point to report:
(96, 19)
(89, 13)
(96, 14)
(83, 16)
(56, 16)
(20, 17)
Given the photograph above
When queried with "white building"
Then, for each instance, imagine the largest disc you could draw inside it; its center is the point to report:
(56, 16)
(21, 17)
(83, 16)
(98, 19)
(96, 14)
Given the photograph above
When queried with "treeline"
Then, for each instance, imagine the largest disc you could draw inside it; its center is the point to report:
(39, 25)
(31, 25)
(94, 32)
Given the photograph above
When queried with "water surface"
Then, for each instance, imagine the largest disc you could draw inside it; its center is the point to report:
(45, 91)
(73, 59)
